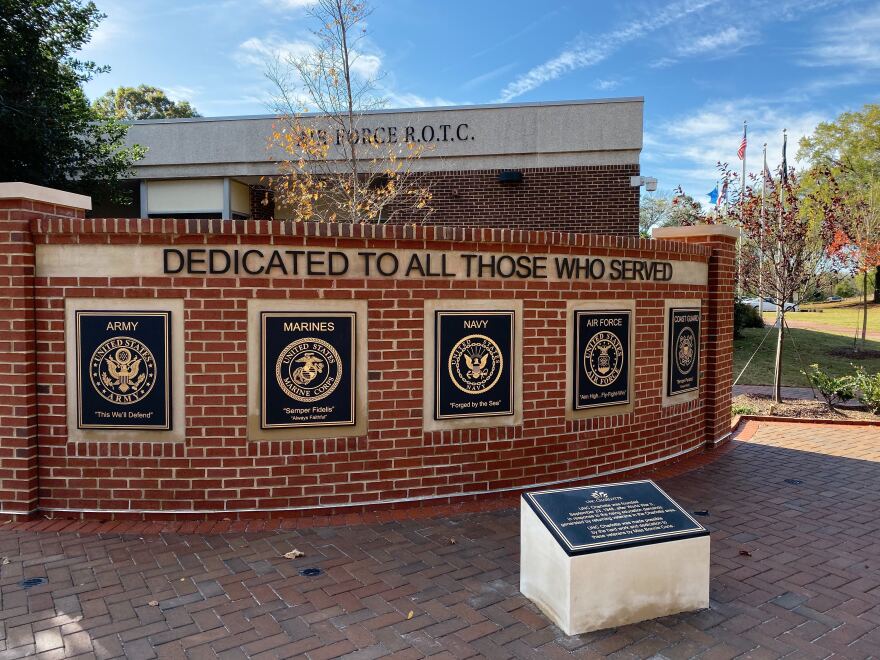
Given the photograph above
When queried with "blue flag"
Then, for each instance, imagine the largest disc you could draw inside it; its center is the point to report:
(713, 195)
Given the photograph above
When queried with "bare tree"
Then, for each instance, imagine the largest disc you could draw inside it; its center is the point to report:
(333, 167)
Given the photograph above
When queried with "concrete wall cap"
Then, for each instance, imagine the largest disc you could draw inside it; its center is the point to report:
(22, 190)
(672, 233)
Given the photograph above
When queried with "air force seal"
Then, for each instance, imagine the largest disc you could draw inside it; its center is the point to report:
(122, 370)
(308, 369)
(603, 359)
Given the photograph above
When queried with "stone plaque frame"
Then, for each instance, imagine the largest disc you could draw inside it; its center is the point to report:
(255, 310)
(694, 393)
(176, 371)
(430, 382)
(573, 306)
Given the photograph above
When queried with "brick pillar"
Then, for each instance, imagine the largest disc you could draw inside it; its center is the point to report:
(19, 204)
(717, 381)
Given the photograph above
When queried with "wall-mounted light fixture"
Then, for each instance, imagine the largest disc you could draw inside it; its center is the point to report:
(510, 176)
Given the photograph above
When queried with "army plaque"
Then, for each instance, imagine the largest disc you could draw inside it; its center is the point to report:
(683, 350)
(601, 358)
(473, 363)
(308, 369)
(123, 367)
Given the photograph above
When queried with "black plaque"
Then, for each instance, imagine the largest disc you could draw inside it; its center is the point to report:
(683, 350)
(601, 358)
(308, 369)
(596, 518)
(123, 368)
(473, 363)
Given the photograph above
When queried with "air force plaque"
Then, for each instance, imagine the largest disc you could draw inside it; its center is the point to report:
(601, 358)
(123, 368)
(308, 369)
(683, 350)
(473, 363)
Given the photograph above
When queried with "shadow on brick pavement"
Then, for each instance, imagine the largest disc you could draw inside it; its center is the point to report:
(808, 585)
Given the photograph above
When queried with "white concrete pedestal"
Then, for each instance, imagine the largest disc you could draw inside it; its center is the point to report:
(613, 587)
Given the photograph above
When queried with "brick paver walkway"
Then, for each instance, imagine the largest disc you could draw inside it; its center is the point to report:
(794, 512)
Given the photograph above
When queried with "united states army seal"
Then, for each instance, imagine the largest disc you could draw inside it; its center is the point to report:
(603, 358)
(308, 369)
(685, 350)
(475, 364)
(122, 370)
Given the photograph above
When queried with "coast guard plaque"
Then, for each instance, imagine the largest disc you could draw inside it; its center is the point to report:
(601, 357)
(596, 518)
(473, 363)
(683, 350)
(308, 369)
(123, 366)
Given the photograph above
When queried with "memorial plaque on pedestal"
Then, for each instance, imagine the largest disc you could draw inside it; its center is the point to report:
(123, 368)
(601, 358)
(596, 518)
(308, 369)
(474, 363)
(683, 350)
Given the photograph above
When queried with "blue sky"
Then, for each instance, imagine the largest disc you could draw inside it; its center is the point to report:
(703, 66)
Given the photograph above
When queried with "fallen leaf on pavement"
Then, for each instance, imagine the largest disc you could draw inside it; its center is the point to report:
(293, 554)
(153, 603)
(410, 615)
(745, 553)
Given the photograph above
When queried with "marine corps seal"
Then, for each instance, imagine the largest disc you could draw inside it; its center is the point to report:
(603, 359)
(308, 369)
(475, 364)
(122, 370)
(685, 350)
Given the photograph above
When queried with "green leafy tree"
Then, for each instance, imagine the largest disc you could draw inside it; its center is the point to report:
(849, 148)
(49, 134)
(141, 102)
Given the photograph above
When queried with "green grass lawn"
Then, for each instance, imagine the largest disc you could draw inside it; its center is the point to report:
(814, 348)
(846, 314)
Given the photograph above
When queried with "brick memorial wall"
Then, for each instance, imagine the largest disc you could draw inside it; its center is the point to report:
(320, 376)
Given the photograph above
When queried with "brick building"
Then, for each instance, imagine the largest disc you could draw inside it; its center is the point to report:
(565, 166)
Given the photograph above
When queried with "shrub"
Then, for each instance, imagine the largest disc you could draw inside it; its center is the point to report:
(833, 390)
(868, 389)
(743, 409)
(745, 316)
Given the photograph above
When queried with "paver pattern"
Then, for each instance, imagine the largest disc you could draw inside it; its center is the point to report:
(795, 573)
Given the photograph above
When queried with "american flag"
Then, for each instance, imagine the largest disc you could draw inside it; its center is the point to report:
(742, 145)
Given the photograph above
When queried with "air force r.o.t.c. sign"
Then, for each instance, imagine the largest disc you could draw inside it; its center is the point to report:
(123, 368)
(473, 363)
(307, 369)
(601, 358)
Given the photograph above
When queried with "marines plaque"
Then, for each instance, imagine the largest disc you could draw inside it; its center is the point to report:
(601, 358)
(123, 367)
(595, 518)
(473, 363)
(683, 350)
(308, 369)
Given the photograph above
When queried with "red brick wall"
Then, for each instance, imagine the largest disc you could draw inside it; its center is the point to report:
(218, 468)
(596, 199)
(18, 378)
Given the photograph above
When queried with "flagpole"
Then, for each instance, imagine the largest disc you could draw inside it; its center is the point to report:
(742, 210)
(761, 234)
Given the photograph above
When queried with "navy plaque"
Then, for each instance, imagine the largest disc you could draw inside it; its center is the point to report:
(601, 358)
(596, 518)
(123, 366)
(683, 351)
(473, 363)
(308, 369)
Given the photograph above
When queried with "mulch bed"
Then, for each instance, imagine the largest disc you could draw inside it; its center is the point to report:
(850, 354)
(752, 404)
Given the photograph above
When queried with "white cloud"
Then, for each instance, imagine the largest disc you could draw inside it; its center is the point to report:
(588, 53)
(852, 40)
(409, 100)
(258, 51)
(605, 85)
(728, 40)
(698, 140)
(288, 5)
